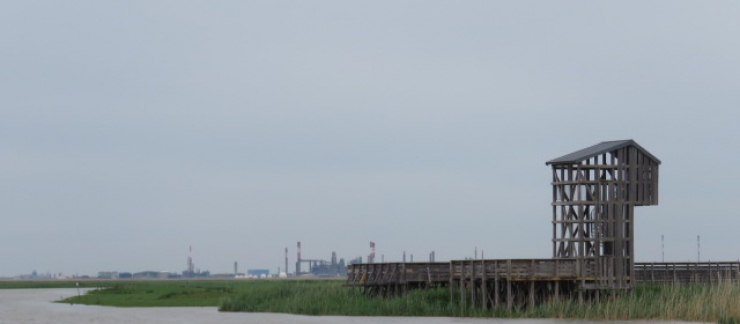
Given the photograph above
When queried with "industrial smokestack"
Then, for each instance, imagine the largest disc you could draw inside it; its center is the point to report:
(286, 261)
(298, 263)
(190, 262)
(371, 257)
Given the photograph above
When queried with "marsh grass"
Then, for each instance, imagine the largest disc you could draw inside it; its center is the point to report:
(154, 293)
(720, 303)
(331, 298)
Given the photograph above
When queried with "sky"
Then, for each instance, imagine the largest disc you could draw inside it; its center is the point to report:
(132, 130)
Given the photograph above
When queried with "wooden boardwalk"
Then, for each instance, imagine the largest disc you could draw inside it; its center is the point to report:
(519, 282)
(514, 282)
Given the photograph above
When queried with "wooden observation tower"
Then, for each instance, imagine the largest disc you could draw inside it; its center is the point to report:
(594, 194)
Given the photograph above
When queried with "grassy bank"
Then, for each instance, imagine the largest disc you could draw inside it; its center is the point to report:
(157, 293)
(328, 297)
(139, 293)
(25, 284)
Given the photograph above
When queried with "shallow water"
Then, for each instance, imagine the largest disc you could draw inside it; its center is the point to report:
(36, 306)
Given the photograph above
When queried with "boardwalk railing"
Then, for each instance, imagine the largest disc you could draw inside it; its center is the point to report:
(681, 273)
(520, 269)
(397, 277)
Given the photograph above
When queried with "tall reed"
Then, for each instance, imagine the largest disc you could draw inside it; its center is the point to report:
(719, 303)
(331, 298)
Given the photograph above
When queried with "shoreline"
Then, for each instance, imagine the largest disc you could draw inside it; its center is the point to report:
(35, 305)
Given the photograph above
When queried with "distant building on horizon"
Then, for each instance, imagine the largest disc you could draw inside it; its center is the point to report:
(258, 273)
(108, 275)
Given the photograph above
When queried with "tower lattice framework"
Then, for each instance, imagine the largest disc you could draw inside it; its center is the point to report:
(594, 193)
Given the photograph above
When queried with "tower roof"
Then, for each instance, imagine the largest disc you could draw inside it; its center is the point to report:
(601, 148)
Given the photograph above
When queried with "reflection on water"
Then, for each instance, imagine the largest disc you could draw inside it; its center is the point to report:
(34, 306)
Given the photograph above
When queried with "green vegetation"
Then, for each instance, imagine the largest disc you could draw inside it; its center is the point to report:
(25, 284)
(139, 293)
(331, 298)
(719, 303)
(156, 293)
(694, 303)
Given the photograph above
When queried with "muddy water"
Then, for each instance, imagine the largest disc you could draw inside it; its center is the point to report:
(35, 306)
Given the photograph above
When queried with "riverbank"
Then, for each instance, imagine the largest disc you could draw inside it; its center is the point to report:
(719, 303)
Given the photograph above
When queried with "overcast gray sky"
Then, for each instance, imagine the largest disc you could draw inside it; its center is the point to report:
(131, 130)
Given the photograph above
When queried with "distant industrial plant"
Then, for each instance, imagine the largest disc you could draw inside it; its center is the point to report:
(315, 267)
(303, 268)
(334, 266)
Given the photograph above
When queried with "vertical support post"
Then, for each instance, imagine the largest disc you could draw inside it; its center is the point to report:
(405, 281)
(531, 293)
(697, 277)
(557, 279)
(461, 285)
(509, 299)
(463, 291)
(483, 285)
(398, 275)
(631, 271)
(496, 288)
(598, 293)
(554, 212)
(450, 283)
(531, 283)
(719, 276)
(472, 283)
